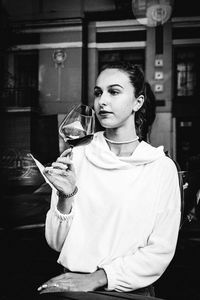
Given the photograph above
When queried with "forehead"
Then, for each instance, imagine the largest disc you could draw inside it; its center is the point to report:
(113, 76)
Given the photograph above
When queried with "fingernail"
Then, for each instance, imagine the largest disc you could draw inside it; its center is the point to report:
(44, 286)
(48, 168)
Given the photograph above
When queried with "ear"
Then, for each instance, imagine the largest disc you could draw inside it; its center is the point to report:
(138, 103)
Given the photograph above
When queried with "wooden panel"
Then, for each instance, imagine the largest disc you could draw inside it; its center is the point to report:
(23, 133)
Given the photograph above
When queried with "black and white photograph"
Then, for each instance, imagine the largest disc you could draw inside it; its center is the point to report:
(100, 149)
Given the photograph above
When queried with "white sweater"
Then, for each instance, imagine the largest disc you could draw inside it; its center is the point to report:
(125, 218)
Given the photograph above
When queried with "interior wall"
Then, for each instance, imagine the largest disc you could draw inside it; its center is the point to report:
(58, 97)
(162, 131)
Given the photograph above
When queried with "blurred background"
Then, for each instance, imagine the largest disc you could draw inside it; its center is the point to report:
(50, 55)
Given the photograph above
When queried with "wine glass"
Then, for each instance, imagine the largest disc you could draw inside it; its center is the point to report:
(78, 126)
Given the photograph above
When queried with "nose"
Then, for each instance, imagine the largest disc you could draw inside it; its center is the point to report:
(103, 100)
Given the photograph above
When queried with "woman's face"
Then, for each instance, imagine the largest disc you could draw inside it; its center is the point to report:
(114, 99)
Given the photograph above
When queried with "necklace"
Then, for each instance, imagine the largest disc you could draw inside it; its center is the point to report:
(124, 142)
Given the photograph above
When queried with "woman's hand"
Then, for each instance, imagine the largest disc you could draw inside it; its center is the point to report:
(75, 282)
(62, 174)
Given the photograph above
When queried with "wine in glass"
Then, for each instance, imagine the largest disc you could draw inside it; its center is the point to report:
(78, 126)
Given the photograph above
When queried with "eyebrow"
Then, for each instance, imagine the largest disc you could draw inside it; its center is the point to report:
(110, 86)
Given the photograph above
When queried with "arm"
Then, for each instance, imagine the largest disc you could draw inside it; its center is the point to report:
(148, 263)
(58, 221)
(62, 175)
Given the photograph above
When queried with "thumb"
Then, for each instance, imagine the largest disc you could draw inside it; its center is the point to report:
(67, 152)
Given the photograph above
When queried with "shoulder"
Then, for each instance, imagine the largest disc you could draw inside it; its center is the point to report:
(166, 165)
(166, 172)
(167, 162)
(157, 161)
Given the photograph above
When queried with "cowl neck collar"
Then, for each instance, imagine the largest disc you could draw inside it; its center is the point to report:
(99, 154)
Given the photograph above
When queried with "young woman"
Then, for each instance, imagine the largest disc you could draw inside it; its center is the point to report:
(116, 215)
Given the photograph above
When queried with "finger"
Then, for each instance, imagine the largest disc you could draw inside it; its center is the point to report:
(43, 286)
(51, 289)
(66, 153)
(47, 169)
(47, 286)
(67, 161)
(55, 172)
(52, 283)
(60, 165)
(50, 173)
(64, 160)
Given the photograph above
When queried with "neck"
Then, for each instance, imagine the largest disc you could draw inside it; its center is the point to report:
(121, 135)
(122, 142)
(122, 147)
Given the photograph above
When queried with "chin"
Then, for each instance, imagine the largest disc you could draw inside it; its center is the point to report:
(107, 123)
(107, 126)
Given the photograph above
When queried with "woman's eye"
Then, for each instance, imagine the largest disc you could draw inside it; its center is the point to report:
(97, 93)
(114, 92)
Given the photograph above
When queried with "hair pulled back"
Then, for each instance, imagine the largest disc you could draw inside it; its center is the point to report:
(145, 116)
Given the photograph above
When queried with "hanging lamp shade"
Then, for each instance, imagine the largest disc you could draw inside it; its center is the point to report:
(152, 12)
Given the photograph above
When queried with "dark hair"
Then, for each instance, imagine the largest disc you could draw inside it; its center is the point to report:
(145, 116)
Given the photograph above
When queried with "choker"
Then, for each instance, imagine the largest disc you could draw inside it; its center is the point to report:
(124, 142)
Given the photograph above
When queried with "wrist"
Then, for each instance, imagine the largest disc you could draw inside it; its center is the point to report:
(65, 214)
(100, 278)
(64, 204)
(63, 196)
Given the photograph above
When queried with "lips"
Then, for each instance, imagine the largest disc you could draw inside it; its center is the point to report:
(104, 112)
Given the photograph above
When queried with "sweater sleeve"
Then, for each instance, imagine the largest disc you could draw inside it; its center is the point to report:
(57, 225)
(148, 263)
